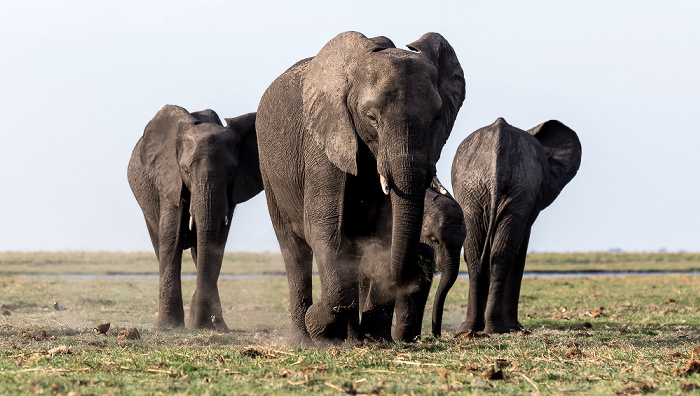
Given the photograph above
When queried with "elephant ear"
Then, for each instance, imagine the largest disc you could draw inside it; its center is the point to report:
(563, 149)
(437, 186)
(159, 150)
(207, 116)
(450, 85)
(325, 88)
(248, 181)
(383, 42)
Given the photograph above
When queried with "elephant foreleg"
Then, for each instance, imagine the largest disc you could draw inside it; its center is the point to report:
(170, 311)
(336, 317)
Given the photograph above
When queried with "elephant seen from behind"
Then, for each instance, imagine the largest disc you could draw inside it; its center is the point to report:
(188, 172)
(503, 177)
(342, 137)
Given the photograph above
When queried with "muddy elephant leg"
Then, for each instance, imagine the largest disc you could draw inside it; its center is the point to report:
(170, 311)
(512, 289)
(478, 277)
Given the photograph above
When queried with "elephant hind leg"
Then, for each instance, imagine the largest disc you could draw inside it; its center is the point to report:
(505, 264)
(513, 283)
(298, 262)
(478, 274)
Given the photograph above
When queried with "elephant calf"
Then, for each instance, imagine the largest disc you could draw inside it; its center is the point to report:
(187, 173)
(503, 177)
(442, 235)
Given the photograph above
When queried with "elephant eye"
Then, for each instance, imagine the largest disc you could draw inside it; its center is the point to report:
(372, 117)
(434, 240)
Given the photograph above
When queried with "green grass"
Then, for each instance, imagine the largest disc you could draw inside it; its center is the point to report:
(271, 263)
(662, 312)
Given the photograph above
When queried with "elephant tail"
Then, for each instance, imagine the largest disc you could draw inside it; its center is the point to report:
(490, 228)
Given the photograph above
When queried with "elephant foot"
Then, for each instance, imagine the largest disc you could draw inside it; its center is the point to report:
(326, 326)
(405, 334)
(170, 321)
(473, 326)
(496, 328)
(301, 339)
(219, 324)
(515, 326)
(376, 325)
(202, 323)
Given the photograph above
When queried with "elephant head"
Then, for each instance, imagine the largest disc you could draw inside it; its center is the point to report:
(401, 105)
(206, 169)
(563, 150)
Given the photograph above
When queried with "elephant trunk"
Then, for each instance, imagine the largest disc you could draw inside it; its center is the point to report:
(447, 262)
(209, 212)
(407, 213)
(404, 173)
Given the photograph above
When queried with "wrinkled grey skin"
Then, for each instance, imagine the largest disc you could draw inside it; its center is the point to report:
(329, 130)
(442, 235)
(503, 177)
(187, 173)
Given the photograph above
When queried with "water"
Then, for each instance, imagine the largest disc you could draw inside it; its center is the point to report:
(269, 276)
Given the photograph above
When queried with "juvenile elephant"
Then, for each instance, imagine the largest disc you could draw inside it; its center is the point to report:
(503, 177)
(444, 231)
(187, 173)
(356, 128)
(442, 235)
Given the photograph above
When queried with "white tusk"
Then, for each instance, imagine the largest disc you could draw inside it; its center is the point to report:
(443, 191)
(191, 222)
(385, 185)
(226, 220)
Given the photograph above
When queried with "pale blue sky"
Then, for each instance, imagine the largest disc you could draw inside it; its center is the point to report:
(79, 80)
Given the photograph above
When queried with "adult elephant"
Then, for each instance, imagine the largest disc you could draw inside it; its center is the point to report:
(355, 129)
(442, 235)
(503, 177)
(187, 173)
